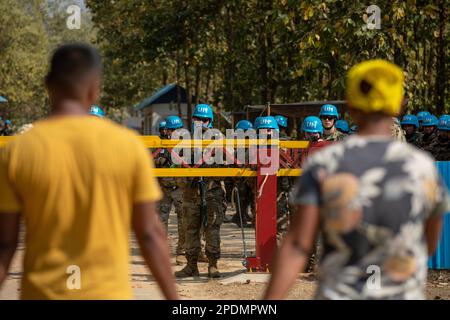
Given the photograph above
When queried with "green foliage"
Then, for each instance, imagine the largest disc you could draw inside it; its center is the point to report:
(29, 31)
(258, 51)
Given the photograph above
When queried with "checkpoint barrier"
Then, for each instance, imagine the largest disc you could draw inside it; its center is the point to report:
(266, 202)
(290, 159)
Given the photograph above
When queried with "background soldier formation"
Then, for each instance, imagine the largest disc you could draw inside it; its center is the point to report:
(197, 222)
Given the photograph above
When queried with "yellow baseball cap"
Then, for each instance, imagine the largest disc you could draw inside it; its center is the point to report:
(375, 86)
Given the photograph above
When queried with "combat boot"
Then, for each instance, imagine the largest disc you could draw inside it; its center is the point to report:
(202, 257)
(180, 259)
(213, 271)
(190, 270)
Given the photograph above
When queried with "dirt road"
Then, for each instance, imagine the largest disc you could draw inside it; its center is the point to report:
(230, 286)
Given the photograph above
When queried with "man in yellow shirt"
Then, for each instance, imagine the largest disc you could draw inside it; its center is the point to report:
(80, 183)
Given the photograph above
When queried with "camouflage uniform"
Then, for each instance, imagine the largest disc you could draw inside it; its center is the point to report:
(397, 131)
(442, 150)
(172, 194)
(193, 221)
(336, 135)
(215, 210)
(429, 143)
(414, 138)
(283, 207)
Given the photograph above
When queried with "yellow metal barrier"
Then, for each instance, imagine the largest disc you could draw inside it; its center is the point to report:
(157, 142)
(218, 172)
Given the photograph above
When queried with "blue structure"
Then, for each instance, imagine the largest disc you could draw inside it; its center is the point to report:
(2, 99)
(441, 259)
(167, 94)
(163, 103)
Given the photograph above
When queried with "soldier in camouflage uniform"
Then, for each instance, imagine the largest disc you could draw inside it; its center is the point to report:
(329, 115)
(284, 185)
(428, 141)
(397, 131)
(215, 206)
(410, 125)
(246, 195)
(443, 140)
(172, 192)
(420, 116)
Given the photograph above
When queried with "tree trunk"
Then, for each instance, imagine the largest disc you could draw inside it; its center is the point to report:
(177, 81)
(229, 73)
(263, 61)
(197, 83)
(441, 78)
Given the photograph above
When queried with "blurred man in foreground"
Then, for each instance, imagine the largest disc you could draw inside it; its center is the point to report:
(79, 182)
(379, 203)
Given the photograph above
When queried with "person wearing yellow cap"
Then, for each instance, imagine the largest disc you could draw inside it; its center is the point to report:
(379, 203)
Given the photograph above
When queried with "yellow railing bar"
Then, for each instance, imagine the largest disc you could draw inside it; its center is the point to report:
(157, 142)
(218, 172)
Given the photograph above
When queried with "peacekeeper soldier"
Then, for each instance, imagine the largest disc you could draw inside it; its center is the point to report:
(443, 145)
(329, 115)
(171, 187)
(204, 204)
(397, 132)
(428, 141)
(7, 128)
(312, 131)
(244, 186)
(342, 126)
(97, 111)
(420, 116)
(284, 184)
(410, 124)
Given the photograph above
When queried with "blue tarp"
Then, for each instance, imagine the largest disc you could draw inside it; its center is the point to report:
(2, 99)
(441, 259)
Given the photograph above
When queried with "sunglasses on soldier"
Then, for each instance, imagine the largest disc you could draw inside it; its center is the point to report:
(200, 119)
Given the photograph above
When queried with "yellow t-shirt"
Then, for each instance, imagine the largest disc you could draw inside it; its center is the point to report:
(75, 180)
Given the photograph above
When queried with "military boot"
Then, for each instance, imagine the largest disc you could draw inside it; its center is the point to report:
(180, 259)
(202, 257)
(190, 270)
(213, 271)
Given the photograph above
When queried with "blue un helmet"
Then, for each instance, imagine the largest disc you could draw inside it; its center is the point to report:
(353, 129)
(342, 126)
(421, 115)
(244, 125)
(429, 121)
(8, 122)
(444, 116)
(268, 122)
(312, 124)
(282, 121)
(162, 125)
(444, 123)
(410, 119)
(97, 111)
(204, 111)
(329, 110)
(174, 122)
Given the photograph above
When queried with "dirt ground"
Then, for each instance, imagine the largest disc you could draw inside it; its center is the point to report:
(226, 288)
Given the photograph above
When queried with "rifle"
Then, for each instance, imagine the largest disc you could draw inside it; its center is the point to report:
(203, 212)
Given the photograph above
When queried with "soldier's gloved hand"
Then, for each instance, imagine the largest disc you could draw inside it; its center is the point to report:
(160, 161)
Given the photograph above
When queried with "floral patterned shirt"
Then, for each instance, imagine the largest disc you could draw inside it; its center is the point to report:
(374, 195)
